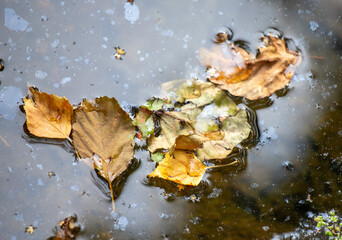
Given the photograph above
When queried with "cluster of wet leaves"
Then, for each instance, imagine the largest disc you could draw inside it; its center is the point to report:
(192, 122)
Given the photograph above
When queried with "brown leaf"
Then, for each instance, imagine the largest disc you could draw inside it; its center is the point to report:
(48, 115)
(104, 132)
(270, 71)
(182, 168)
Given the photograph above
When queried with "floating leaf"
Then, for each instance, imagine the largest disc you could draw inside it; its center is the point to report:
(48, 115)
(254, 78)
(173, 124)
(183, 168)
(189, 90)
(104, 132)
(235, 129)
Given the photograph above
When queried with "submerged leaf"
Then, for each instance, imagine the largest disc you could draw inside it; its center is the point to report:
(104, 132)
(183, 168)
(253, 78)
(226, 63)
(48, 115)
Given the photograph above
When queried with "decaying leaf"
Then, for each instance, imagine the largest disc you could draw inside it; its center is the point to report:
(69, 228)
(173, 124)
(233, 69)
(207, 121)
(48, 115)
(235, 129)
(103, 131)
(183, 168)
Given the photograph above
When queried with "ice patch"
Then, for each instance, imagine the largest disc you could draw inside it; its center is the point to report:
(167, 33)
(10, 99)
(75, 188)
(40, 74)
(131, 12)
(121, 223)
(268, 135)
(216, 192)
(40, 182)
(313, 26)
(13, 21)
(65, 80)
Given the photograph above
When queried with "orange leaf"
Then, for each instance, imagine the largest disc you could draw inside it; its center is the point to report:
(244, 76)
(48, 115)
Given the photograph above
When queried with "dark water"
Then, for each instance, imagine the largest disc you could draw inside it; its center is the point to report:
(292, 172)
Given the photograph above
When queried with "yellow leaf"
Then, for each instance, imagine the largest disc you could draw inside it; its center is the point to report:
(182, 168)
(48, 115)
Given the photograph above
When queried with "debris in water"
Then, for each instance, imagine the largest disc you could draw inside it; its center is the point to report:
(30, 229)
(121, 223)
(288, 165)
(119, 53)
(69, 228)
(51, 174)
(2, 67)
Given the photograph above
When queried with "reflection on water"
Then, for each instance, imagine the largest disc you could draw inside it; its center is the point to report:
(291, 171)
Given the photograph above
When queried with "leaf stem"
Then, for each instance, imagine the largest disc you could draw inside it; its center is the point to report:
(112, 194)
(223, 165)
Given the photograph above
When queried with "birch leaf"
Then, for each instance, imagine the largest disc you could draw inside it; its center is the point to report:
(182, 168)
(48, 115)
(251, 77)
(103, 131)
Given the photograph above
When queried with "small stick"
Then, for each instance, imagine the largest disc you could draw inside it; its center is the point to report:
(224, 165)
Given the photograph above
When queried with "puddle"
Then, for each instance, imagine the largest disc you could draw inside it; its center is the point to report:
(291, 170)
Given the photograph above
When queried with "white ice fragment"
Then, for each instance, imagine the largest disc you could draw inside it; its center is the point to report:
(313, 26)
(75, 188)
(13, 21)
(65, 80)
(109, 11)
(121, 223)
(55, 43)
(10, 99)
(131, 12)
(40, 74)
(40, 182)
(167, 33)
